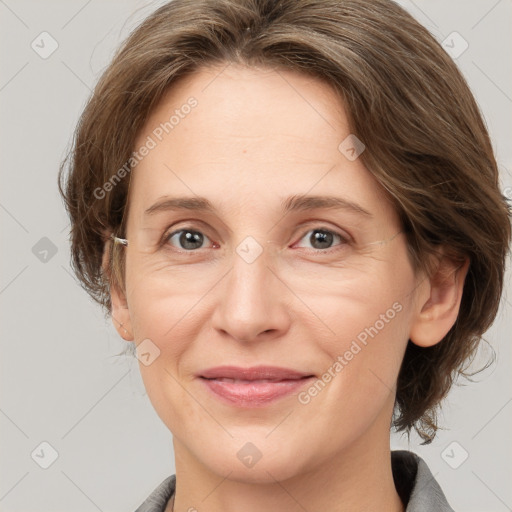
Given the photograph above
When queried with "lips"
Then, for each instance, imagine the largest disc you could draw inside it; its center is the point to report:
(253, 387)
(270, 373)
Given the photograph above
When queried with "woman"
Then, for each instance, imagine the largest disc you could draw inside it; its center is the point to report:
(292, 210)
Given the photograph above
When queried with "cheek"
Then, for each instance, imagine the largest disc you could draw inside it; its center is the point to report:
(163, 298)
(373, 300)
(367, 326)
(169, 322)
(361, 364)
(369, 341)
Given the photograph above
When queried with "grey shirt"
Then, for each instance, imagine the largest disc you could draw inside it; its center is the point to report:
(413, 481)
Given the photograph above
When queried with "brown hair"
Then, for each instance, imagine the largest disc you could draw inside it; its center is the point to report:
(426, 142)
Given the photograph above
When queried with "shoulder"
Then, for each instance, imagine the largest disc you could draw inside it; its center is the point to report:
(157, 500)
(415, 483)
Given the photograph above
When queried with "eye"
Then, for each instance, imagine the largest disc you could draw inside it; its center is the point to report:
(187, 238)
(322, 238)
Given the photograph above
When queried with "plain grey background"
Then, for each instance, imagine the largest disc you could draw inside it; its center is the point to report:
(61, 381)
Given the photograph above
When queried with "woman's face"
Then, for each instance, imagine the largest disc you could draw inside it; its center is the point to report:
(324, 293)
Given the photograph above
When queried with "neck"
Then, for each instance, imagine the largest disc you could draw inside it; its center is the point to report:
(355, 479)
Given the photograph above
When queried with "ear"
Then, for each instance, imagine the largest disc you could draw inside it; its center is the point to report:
(439, 301)
(120, 313)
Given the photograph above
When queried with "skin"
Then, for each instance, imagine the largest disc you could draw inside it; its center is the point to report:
(256, 137)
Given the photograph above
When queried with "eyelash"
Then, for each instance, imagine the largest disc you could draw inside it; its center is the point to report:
(167, 236)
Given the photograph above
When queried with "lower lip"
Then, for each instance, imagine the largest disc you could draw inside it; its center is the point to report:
(254, 393)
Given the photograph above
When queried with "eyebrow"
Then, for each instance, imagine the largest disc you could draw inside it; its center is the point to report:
(296, 203)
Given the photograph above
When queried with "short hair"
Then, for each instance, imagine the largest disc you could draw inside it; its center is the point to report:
(426, 144)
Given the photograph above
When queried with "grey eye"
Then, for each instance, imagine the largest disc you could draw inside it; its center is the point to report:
(322, 238)
(188, 239)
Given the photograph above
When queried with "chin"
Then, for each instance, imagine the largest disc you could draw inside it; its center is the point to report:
(261, 473)
(258, 462)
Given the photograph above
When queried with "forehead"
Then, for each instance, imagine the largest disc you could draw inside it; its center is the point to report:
(254, 109)
(252, 137)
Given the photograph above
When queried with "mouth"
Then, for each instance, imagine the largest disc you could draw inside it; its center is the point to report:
(253, 387)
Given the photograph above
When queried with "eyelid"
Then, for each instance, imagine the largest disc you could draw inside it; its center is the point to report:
(322, 225)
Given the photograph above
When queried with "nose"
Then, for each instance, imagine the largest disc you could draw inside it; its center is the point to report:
(252, 300)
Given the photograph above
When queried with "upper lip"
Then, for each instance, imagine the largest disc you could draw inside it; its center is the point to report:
(253, 373)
